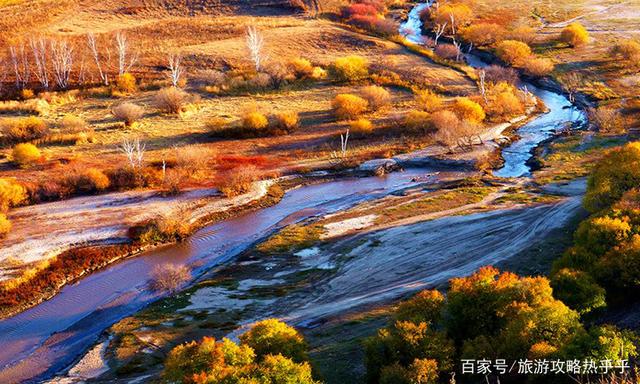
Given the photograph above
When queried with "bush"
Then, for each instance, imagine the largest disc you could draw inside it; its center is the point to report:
(616, 173)
(5, 225)
(273, 337)
(348, 106)
(254, 121)
(467, 109)
(19, 130)
(126, 83)
(12, 194)
(483, 34)
(285, 122)
(25, 154)
(359, 9)
(575, 35)
(301, 68)
(444, 121)
(171, 100)
(128, 112)
(73, 124)
(91, 180)
(350, 69)
(377, 25)
(578, 290)
(498, 74)
(376, 96)
(169, 277)
(360, 128)
(238, 181)
(417, 121)
(503, 101)
(429, 101)
(538, 67)
(447, 51)
(513, 52)
(629, 50)
(608, 120)
(522, 33)
(223, 362)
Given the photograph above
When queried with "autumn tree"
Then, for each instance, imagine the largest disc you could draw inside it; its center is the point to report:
(513, 52)
(575, 35)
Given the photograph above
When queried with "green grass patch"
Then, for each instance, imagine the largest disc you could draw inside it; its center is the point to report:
(292, 238)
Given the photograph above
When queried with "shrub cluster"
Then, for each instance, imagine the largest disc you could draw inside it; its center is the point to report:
(350, 69)
(513, 318)
(347, 106)
(271, 352)
(24, 129)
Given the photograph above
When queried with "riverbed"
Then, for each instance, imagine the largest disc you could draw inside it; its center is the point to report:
(46, 339)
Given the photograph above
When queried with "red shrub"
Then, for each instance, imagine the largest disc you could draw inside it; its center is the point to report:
(358, 9)
(377, 25)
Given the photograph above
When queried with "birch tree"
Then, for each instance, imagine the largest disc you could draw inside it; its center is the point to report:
(93, 47)
(439, 31)
(39, 49)
(20, 63)
(125, 60)
(62, 59)
(255, 45)
(175, 66)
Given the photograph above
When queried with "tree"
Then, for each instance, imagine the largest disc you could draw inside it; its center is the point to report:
(62, 59)
(175, 66)
(125, 60)
(467, 109)
(21, 67)
(273, 337)
(602, 343)
(575, 35)
(483, 34)
(93, 47)
(513, 52)
(255, 45)
(39, 49)
(578, 290)
(616, 173)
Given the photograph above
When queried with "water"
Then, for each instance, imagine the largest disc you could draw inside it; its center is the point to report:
(561, 111)
(45, 339)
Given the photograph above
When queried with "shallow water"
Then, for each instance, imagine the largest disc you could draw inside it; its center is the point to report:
(47, 338)
(515, 155)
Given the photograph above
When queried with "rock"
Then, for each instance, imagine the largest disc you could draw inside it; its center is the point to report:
(378, 167)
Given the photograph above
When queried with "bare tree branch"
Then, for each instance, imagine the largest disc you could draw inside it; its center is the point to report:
(175, 66)
(62, 59)
(39, 49)
(255, 44)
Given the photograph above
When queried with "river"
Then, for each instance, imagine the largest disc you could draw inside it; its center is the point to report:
(46, 339)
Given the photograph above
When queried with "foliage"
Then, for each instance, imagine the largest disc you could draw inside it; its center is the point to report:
(575, 35)
(347, 106)
(628, 50)
(12, 194)
(169, 277)
(578, 290)
(90, 180)
(429, 101)
(513, 52)
(126, 83)
(171, 100)
(503, 101)
(238, 181)
(497, 74)
(5, 225)
(360, 128)
(489, 314)
(417, 122)
(18, 130)
(222, 362)
(273, 337)
(25, 154)
(467, 109)
(253, 121)
(608, 120)
(484, 34)
(301, 68)
(128, 112)
(376, 96)
(350, 69)
(447, 51)
(285, 122)
(538, 66)
(616, 173)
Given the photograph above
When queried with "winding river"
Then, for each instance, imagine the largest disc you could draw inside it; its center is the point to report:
(46, 339)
